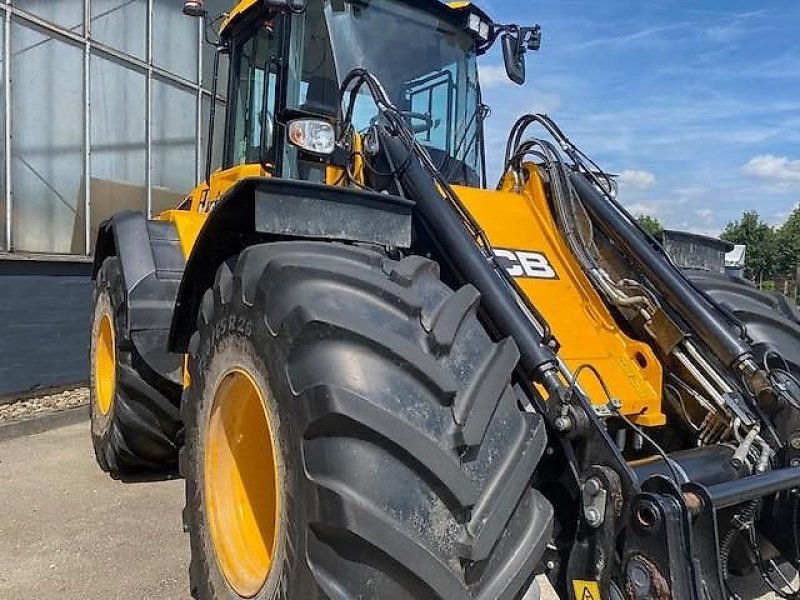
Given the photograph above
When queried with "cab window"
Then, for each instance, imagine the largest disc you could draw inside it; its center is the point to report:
(254, 92)
(311, 85)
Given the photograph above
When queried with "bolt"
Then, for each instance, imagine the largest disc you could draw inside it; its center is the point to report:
(795, 462)
(593, 486)
(639, 577)
(550, 565)
(562, 424)
(549, 451)
(615, 404)
(693, 502)
(795, 442)
(600, 564)
(593, 518)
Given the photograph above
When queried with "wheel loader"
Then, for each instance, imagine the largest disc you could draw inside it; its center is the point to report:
(382, 376)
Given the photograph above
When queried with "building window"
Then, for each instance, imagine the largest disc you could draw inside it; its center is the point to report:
(91, 105)
(119, 141)
(47, 148)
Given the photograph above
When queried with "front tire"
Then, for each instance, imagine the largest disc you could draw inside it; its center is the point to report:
(401, 454)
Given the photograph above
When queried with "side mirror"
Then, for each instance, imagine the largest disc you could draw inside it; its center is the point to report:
(295, 6)
(514, 57)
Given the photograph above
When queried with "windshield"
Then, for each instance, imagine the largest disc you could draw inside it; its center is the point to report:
(428, 68)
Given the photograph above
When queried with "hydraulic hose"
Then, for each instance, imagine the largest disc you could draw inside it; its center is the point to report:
(745, 518)
(678, 292)
(505, 307)
(458, 247)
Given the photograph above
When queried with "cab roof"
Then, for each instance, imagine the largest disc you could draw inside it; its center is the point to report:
(243, 7)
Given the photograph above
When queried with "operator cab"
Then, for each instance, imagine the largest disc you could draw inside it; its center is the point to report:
(428, 67)
(289, 62)
(427, 64)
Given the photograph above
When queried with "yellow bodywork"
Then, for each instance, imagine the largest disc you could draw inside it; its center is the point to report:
(238, 10)
(244, 6)
(519, 221)
(514, 221)
(204, 195)
(202, 198)
(188, 225)
(577, 315)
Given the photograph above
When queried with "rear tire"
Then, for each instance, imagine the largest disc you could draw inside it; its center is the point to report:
(773, 324)
(135, 419)
(771, 319)
(404, 456)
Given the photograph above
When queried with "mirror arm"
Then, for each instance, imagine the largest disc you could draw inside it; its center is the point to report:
(530, 38)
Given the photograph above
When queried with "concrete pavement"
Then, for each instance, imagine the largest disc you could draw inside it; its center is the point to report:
(69, 532)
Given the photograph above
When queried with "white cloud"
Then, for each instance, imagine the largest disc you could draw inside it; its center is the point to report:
(530, 97)
(705, 213)
(724, 33)
(779, 217)
(642, 36)
(493, 76)
(736, 26)
(644, 208)
(545, 102)
(774, 168)
(637, 179)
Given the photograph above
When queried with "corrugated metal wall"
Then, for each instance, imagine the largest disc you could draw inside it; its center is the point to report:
(44, 324)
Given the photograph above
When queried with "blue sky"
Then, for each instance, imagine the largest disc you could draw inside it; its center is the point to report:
(696, 104)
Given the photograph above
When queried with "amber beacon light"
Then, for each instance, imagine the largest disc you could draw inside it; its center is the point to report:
(193, 8)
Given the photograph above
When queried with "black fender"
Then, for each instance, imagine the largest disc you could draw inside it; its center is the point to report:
(263, 209)
(152, 265)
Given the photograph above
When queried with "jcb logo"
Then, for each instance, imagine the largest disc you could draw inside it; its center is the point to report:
(522, 263)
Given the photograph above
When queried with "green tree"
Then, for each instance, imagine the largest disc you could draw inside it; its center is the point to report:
(760, 240)
(650, 224)
(787, 246)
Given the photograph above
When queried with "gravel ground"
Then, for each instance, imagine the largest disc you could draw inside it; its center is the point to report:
(42, 404)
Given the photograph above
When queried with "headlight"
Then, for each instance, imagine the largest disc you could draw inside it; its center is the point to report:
(485, 31)
(479, 27)
(313, 135)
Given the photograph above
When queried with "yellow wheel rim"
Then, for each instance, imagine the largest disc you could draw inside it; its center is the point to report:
(241, 484)
(105, 368)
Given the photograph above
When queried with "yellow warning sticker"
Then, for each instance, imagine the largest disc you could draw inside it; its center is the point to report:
(586, 590)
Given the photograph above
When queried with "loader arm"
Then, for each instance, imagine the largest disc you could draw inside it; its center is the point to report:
(525, 238)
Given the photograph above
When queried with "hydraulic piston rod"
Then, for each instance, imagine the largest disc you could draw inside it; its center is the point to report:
(680, 294)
